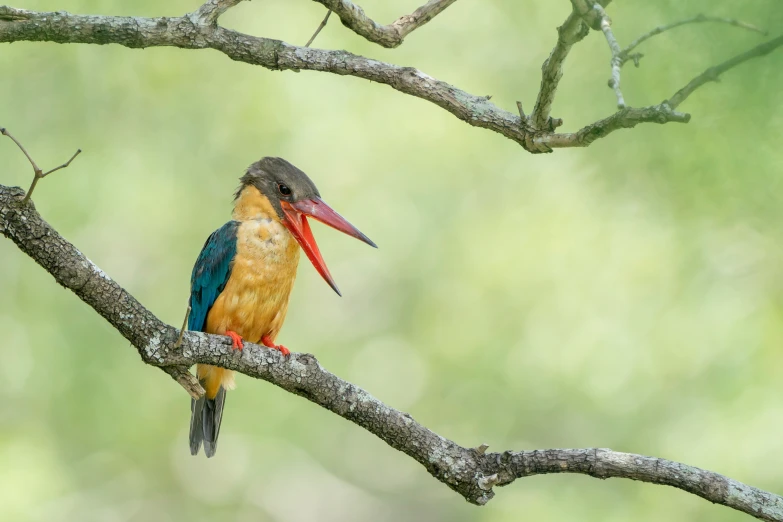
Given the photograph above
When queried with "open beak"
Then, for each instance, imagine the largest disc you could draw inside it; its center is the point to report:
(296, 222)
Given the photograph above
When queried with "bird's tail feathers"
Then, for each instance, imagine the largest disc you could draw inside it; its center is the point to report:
(205, 417)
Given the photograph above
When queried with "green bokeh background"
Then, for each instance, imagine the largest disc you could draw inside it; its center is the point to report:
(628, 295)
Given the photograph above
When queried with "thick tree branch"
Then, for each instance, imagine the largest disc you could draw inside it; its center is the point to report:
(134, 32)
(604, 463)
(572, 31)
(470, 472)
(390, 35)
(195, 32)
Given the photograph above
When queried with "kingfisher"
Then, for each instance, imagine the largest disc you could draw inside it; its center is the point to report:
(242, 279)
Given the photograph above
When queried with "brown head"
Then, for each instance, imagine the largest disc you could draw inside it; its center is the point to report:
(293, 196)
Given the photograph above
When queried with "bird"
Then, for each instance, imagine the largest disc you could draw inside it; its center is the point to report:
(242, 279)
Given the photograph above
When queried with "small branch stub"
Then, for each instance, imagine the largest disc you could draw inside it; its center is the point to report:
(185, 379)
(184, 325)
(487, 483)
(524, 121)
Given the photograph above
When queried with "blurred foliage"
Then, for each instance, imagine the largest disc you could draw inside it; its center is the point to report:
(628, 295)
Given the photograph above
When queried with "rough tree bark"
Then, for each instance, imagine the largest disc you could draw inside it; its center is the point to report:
(472, 472)
(536, 133)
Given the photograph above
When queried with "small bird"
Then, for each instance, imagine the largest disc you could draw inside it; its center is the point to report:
(243, 276)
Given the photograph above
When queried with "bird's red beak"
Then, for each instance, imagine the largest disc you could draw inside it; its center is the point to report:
(296, 222)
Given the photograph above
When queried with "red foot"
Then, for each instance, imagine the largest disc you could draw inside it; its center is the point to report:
(269, 344)
(236, 340)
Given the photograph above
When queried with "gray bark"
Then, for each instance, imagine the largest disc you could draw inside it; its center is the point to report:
(199, 30)
(392, 35)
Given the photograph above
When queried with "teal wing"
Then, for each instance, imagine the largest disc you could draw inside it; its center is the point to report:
(211, 273)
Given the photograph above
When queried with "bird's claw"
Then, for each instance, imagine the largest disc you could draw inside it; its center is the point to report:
(269, 344)
(236, 340)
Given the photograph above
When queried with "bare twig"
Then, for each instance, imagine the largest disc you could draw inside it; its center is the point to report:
(78, 151)
(38, 174)
(320, 27)
(5, 132)
(713, 73)
(182, 330)
(390, 35)
(626, 55)
(471, 472)
(614, 47)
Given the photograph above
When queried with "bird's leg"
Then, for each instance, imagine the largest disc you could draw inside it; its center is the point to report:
(270, 344)
(236, 340)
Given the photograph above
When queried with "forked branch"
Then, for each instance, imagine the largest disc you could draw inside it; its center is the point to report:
(38, 174)
(390, 35)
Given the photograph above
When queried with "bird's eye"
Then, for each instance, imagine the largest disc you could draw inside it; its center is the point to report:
(284, 190)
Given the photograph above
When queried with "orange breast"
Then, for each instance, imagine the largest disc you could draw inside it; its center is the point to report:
(255, 300)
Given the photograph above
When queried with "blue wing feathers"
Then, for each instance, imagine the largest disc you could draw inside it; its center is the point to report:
(211, 273)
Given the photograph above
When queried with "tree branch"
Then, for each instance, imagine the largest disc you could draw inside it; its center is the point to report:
(604, 463)
(470, 472)
(136, 32)
(626, 53)
(713, 73)
(572, 31)
(391, 35)
(626, 118)
(614, 47)
(535, 134)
